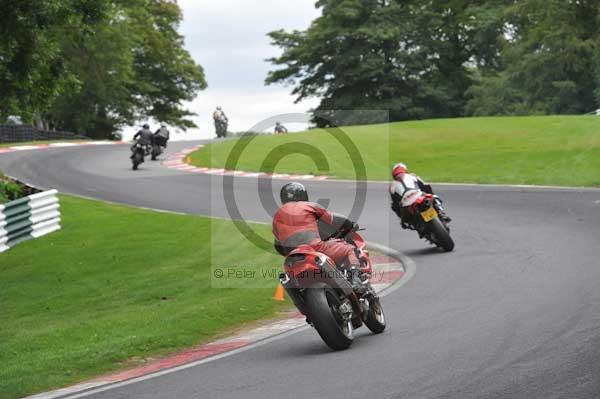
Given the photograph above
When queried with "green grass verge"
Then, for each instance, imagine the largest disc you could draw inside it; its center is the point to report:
(550, 150)
(117, 284)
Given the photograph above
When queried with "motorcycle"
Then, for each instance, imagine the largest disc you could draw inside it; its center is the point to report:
(423, 216)
(159, 143)
(323, 293)
(221, 127)
(139, 152)
(156, 151)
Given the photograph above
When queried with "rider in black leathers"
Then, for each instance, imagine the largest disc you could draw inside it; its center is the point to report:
(144, 137)
(161, 136)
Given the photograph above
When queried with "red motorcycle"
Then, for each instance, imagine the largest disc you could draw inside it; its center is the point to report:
(323, 293)
(421, 215)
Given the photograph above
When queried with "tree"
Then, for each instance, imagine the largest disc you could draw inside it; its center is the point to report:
(32, 68)
(134, 67)
(92, 66)
(165, 73)
(99, 100)
(409, 57)
(548, 61)
(444, 58)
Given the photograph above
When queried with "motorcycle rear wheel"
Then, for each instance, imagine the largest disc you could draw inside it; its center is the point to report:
(322, 303)
(137, 159)
(441, 236)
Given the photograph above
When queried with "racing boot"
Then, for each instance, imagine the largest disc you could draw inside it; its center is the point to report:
(440, 209)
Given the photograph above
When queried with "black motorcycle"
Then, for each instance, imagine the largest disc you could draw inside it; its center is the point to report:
(221, 127)
(139, 151)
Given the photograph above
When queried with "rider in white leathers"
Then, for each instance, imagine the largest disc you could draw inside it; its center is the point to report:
(404, 181)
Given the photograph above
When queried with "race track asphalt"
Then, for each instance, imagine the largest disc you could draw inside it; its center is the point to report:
(514, 312)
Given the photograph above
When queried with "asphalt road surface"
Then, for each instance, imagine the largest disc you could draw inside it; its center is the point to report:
(514, 312)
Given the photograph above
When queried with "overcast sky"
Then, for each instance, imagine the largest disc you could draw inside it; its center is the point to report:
(228, 38)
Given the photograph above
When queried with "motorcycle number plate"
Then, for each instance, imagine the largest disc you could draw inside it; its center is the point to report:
(429, 214)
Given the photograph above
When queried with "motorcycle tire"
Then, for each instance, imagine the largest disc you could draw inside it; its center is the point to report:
(136, 161)
(375, 320)
(335, 332)
(441, 236)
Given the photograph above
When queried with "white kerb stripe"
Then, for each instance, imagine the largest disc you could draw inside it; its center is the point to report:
(24, 147)
(99, 142)
(63, 144)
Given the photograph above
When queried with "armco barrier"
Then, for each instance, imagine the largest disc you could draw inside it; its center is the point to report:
(28, 217)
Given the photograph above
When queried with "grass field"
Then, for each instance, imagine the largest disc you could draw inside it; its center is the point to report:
(549, 150)
(114, 287)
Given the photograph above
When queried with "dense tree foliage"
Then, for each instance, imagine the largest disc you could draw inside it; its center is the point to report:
(443, 58)
(92, 68)
(32, 67)
(548, 61)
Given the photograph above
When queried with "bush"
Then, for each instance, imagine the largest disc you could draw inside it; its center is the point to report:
(9, 190)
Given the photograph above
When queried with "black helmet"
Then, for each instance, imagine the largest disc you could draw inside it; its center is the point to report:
(293, 192)
(146, 126)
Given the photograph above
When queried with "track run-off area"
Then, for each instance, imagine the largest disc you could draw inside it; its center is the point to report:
(513, 312)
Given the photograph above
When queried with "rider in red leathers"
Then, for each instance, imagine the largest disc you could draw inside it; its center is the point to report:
(296, 223)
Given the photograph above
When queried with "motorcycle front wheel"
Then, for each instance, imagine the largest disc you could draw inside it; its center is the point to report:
(323, 304)
(375, 320)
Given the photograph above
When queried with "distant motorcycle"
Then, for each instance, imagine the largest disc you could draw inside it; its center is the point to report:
(139, 152)
(157, 149)
(159, 143)
(325, 295)
(422, 216)
(221, 127)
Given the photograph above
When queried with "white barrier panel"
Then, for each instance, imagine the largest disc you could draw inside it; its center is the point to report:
(27, 218)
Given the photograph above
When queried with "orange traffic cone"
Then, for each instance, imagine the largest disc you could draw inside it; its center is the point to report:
(279, 292)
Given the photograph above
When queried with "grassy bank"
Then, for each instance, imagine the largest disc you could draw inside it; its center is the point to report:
(115, 286)
(554, 150)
